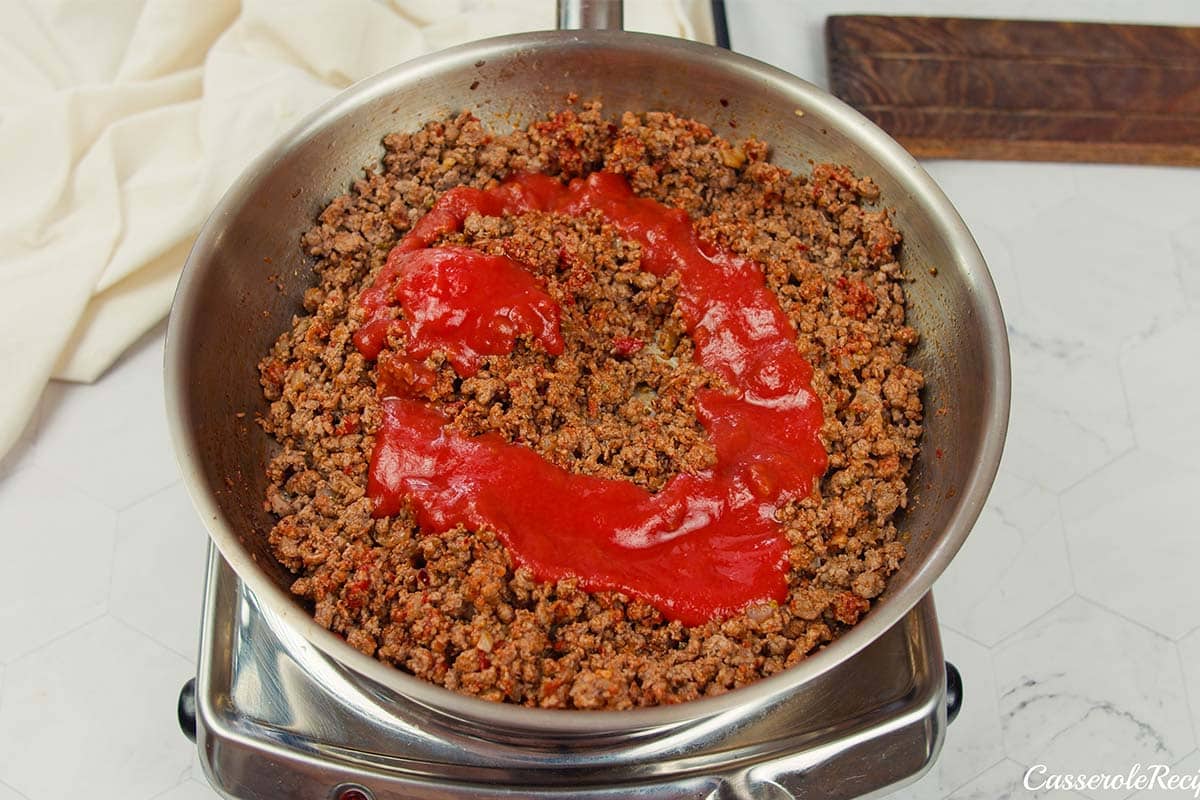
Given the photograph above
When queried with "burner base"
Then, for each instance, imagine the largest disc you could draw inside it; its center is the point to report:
(273, 717)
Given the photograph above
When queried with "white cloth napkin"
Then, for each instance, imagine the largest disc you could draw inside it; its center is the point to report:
(123, 122)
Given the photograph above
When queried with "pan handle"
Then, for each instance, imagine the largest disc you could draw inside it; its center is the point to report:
(591, 15)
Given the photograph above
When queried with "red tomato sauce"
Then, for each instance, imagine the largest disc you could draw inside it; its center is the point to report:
(460, 301)
(704, 546)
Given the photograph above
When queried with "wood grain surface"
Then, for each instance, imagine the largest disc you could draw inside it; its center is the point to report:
(1023, 90)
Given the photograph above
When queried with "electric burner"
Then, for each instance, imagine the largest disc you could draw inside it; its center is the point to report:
(273, 717)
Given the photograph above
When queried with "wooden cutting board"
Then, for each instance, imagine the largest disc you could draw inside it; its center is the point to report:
(1017, 90)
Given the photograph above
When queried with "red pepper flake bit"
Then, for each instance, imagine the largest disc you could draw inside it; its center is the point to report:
(848, 607)
(423, 576)
(888, 465)
(626, 346)
(859, 301)
(275, 371)
(347, 426)
(628, 146)
(397, 375)
(355, 596)
(938, 452)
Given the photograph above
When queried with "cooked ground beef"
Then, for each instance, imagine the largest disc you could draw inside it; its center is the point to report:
(451, 608)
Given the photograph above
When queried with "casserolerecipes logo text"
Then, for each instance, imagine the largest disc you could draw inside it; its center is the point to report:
(1137, 778)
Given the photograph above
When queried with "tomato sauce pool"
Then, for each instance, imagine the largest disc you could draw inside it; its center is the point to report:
(705, 545)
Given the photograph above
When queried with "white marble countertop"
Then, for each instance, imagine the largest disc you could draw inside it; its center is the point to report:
(1073, 611)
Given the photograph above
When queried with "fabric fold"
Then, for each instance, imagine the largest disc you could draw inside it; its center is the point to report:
(126, 121)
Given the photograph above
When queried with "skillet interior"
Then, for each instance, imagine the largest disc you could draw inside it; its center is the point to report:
(227, 313)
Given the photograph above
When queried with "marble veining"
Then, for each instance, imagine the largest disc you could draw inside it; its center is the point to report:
(1159, 372)
(1073, 609)
(1073, 391)
(1085, 691)
(1005, 781)
(1125, 521)
(1189, 661)
(1013, 568)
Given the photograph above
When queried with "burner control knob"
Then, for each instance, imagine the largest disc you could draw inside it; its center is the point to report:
(350, 791)
(187, 709)
(954, 692)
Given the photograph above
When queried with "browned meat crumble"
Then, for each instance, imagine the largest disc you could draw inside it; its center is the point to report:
(451, 608)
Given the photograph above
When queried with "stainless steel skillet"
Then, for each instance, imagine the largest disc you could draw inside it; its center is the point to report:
(226, 314)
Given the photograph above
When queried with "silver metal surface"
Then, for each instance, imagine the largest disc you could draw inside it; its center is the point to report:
(595, 15)
(276, 717)
(226, 314)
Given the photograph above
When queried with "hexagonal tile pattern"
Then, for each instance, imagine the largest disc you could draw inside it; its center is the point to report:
(158, 569)
(189, 789)
(108, 730)
(58, 552)
(1161, 789)
(1071, 610)
(974, 742)
(1159, 373)
(1069, 415)
(196, 772)
(1069, 298)
(1189, 660)
(1006, 781)
(1013, 567)
(1083, 691)
(110, 439)
(1126, 523)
